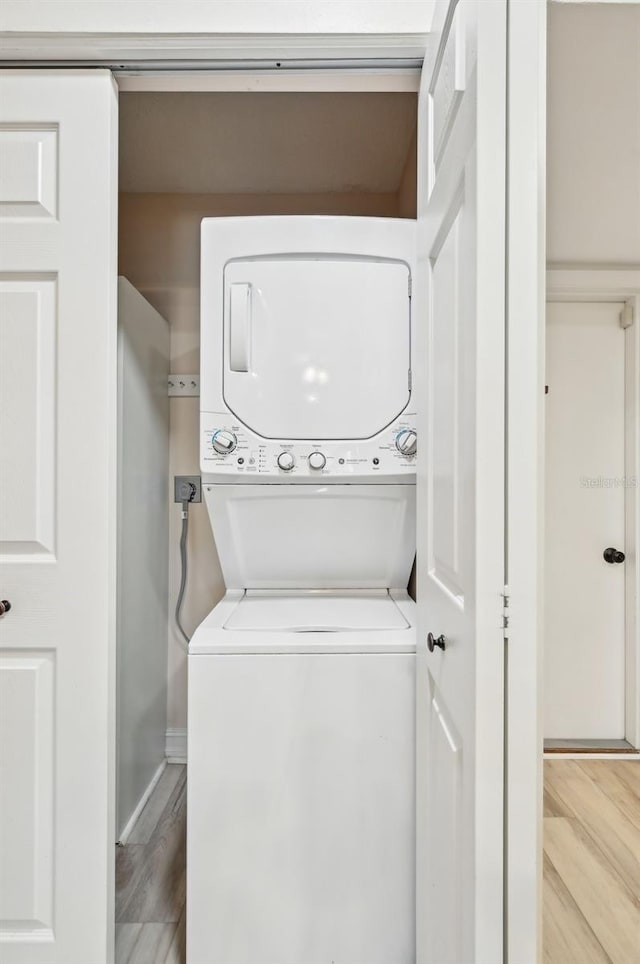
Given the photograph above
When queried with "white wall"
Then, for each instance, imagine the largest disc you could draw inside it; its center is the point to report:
(217, 16)
(593, 175)
(143, 462)
(159, 254)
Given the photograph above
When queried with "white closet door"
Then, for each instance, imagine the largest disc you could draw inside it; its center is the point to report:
(461, 493)
(584, 637)
(58, 194)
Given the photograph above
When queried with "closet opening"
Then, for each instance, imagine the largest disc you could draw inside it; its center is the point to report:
(184, 156)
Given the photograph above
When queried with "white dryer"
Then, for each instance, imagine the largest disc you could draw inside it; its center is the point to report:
(301, 836)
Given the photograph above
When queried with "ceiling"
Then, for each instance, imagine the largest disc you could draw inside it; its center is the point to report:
(247, 143)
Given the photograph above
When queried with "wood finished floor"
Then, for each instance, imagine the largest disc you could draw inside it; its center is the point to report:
(151, 878)
(591, 912)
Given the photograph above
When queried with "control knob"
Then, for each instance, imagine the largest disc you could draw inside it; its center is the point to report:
(286, 461)
(223, 442)
(407, 442)
(317, 460)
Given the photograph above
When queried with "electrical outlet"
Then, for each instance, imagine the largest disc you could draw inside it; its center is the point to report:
(183, 491)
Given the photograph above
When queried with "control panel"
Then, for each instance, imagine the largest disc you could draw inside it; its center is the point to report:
(229, 451)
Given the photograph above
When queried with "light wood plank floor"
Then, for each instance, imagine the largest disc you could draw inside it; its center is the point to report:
(591, 868)
(591, 912)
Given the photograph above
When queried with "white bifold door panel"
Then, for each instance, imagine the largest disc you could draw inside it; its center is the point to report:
(58, 164)
(461, 501)
(285, 318)
(584, 633)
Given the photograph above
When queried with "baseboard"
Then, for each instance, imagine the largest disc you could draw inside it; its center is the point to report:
(142, 802)
(176, 745)
(588, 746)
(611, 757)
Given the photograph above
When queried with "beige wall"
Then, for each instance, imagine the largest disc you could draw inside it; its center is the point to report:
(593, 171)
(159, 254)
(408, 190)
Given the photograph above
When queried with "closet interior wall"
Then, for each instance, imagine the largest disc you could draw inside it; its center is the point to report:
(321, 144)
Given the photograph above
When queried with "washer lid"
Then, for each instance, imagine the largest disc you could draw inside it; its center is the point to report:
(316, 347)
(336, 538)
(316, 612)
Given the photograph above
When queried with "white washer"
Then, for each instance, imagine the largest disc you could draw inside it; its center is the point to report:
(301, 824)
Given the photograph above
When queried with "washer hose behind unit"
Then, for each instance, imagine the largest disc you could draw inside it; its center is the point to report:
(183, 567)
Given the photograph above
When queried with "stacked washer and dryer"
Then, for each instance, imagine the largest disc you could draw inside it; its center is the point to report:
(301, 813)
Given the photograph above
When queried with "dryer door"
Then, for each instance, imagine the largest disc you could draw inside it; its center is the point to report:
(316, 348)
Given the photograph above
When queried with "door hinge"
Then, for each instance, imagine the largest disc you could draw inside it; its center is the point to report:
(626, 315)
(506, 598)
(409, 286)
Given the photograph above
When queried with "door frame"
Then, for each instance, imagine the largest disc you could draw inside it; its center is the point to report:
(524, 464)
(619, 285)
(397, 56)
(210, 51)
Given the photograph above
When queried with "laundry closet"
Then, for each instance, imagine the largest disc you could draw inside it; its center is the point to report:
(186, 156)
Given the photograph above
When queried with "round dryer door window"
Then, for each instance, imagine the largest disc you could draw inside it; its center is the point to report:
(316, 348)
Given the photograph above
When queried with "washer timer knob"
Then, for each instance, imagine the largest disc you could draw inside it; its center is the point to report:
(223, 442)
(317, 460)
(407, 442)
(286, 461)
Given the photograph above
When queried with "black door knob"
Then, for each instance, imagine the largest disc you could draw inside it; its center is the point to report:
(5, 606)
(432, 642)
(612, 555)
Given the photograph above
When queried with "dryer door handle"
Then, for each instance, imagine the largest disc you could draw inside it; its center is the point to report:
(239, 327)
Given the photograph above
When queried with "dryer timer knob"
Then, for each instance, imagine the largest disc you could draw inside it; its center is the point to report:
(223, 442)
(407, 442)
(286, 461)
